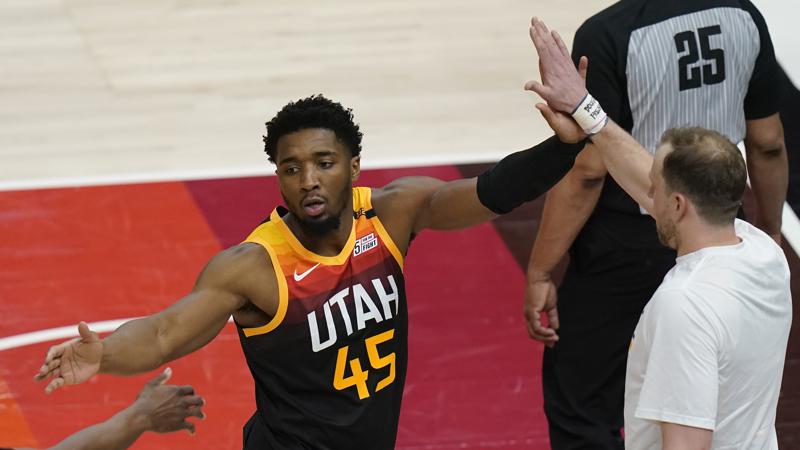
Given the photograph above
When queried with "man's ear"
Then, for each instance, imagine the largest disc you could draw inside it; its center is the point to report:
(355, 167)
(680, 205)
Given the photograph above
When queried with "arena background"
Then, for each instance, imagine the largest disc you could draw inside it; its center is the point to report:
(130, 152)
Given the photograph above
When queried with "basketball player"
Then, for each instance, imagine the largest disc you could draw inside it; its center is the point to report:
(655, 64)
(707, 356)
(317, 291)
(159, 408)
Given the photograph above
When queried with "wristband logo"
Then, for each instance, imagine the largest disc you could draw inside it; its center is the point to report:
(593, 108)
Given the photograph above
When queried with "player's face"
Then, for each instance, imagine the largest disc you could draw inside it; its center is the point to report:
(665, 225)
(316, 173)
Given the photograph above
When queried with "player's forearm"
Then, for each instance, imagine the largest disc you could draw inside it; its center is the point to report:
(517, 178)
(523, 176)
(116, 433)
(133, 348)
(627, 161)
(769, 179)
(566, 209)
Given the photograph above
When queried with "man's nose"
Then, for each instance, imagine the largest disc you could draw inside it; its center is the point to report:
(309, 180)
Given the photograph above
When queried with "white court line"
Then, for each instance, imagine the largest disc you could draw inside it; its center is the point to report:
(790, 230)
(55, 334)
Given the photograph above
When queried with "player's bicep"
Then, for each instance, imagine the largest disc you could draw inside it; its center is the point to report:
(453, 205)
(198, 317)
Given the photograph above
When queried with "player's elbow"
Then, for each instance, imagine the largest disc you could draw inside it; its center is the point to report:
(764, 138)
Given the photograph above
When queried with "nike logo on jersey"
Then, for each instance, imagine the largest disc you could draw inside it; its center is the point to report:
(299, 277)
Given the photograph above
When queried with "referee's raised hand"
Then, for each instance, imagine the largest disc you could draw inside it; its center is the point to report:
(562, 86)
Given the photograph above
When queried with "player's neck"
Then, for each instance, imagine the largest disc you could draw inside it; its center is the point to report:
(327, 244)
(701, 235)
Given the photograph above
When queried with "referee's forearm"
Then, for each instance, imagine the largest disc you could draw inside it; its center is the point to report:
(567, 207)
(769, 179)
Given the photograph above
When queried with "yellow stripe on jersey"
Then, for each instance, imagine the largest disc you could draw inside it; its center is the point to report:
(283, 290)
(376, 223)
(298, 248)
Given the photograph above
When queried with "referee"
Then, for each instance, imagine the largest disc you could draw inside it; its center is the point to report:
(653, 65)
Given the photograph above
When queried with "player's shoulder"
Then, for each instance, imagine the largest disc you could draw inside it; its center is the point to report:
(404, 192)
(241, 258)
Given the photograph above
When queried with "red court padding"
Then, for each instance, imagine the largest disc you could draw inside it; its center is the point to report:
(119, 251)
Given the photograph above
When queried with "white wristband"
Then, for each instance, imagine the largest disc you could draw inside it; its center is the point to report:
(590, 115)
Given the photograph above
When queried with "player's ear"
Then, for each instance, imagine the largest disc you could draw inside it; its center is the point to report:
(355, 167)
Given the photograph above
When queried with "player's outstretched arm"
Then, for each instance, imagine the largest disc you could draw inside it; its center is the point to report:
(520, 177)
(225, 285)
(159, 407)
(564, 90)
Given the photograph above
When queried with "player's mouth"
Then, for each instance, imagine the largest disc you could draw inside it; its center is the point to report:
(314, 206)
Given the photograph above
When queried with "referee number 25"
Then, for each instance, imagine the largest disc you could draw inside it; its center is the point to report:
(692, 75)
(358, 377)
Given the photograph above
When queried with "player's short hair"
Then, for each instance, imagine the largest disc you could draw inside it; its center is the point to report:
(708, 169)
(315, 111)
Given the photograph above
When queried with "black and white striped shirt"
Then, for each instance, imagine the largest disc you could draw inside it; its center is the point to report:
(658, 64)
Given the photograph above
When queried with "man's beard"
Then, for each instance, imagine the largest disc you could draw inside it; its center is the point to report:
(666, 234)
(320, 227)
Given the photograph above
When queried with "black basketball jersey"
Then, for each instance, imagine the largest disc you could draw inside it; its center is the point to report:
(658, 64)
(329, 368)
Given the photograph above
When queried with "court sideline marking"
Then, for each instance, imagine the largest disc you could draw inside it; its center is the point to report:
(790, 230)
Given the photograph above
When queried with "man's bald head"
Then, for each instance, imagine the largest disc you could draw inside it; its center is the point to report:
(708, 169)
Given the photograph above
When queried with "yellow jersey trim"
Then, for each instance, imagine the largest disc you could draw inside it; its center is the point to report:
(337, 260)
(283, 292)
(376, 223)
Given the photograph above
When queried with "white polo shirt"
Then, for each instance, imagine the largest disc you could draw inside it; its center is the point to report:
(709, 348)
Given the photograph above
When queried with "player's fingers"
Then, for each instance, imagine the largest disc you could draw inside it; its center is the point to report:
(161, 378)
(193, 400)
(538, 88)
(541, 330)
(541, 38)
(538, 42)
(560, 43)
(56, 351)
(188, 426)
(47, 369)
(53, 385)
(543, 338)
(196, 412)
(583, 66)
(552, 318)
(550, 117)
(86, 334)
(186, 390)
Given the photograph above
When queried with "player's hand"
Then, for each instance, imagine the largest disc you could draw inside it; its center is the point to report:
(565, 127)
(562, 86)
(72, 362)
(540, 298)
(165, 408)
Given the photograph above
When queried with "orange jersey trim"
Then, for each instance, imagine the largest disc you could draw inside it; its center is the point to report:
(376, 223)
(283, 292)
(308, 254)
